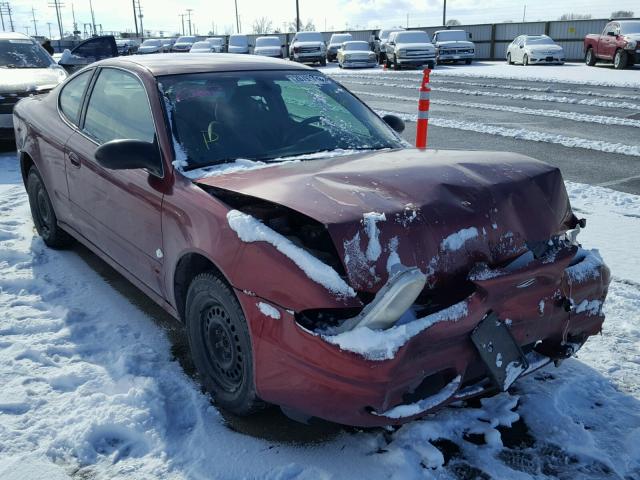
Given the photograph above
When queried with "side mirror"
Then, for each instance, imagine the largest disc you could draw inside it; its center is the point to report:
(396, 123)
(129, 154)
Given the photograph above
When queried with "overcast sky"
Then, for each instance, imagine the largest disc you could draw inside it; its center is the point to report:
(163, 15)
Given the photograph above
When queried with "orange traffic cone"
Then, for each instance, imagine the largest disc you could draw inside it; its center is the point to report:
(423, 111)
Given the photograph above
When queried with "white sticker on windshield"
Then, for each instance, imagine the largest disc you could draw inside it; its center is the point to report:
(305, 78)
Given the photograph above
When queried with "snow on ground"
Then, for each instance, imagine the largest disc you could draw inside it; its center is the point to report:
(90, 388)
(600, 75)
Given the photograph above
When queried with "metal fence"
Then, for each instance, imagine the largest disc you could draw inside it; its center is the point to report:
(491, 39)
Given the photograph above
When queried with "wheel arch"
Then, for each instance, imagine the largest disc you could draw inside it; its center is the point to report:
(189, 265)
(26, 162)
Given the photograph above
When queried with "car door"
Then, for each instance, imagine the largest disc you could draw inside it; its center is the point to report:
(119, 211)
(608, 41)
(89, 51)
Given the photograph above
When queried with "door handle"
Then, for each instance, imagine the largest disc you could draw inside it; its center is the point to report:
(73, 158)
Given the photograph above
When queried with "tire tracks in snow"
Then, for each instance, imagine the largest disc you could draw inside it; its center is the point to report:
(573, 116)
(522, 134)
(511, 96)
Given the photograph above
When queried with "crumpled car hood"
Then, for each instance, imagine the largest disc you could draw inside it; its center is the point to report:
(444, 211)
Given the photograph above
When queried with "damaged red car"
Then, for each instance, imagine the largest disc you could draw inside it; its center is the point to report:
(317, 262)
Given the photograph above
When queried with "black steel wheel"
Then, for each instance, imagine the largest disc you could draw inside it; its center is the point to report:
(220, 344)
(44, 217)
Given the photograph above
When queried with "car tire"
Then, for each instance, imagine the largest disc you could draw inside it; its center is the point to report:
(620, 60)
(431, 65)
(468, 61)
(339, 65)
(589, 58)
(220, 344)
(323, 62)
(438, 61)
(44, 217)
(525, 60)
(509, 61)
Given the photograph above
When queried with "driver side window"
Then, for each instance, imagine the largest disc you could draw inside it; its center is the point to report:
(119, 109)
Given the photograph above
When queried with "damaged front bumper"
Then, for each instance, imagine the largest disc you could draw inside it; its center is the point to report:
(551, 306)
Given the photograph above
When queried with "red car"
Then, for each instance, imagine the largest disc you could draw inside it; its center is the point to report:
(316, 262)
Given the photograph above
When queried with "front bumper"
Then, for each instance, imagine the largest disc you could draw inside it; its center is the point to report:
(298, 369)
(449, 57)
(417, 61)
(360, 63)
(551, 59)
(309, 57)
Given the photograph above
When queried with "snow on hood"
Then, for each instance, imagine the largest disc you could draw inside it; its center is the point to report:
(13, 80)
(444, 211)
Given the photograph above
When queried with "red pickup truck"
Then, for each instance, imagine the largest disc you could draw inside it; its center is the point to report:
(619, 43)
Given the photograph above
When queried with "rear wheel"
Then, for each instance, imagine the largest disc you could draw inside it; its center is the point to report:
(44, 218)
(620, 60)
(590, 58)
(220, 344)
(323, 62)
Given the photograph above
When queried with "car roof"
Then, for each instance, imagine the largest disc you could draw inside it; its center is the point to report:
(177, 63)
(14, 36)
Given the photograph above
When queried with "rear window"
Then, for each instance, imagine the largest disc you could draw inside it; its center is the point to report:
(452, 36)
(268, 42)
(350, 46)
(340, 38)
(186, 40)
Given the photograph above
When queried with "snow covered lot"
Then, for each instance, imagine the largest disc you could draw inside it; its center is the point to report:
(91, 388)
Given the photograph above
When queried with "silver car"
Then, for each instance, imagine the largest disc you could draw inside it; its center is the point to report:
(25, 69)
(269, 47)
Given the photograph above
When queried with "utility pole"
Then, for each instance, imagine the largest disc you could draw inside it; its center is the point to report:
(57, 5)
(182, 15)
(444, 13)
(524, 13)
(407, 20)
(49, 25)
(35, 26)
(135, 17)
(189, 10)
(27, 29)
(297, 16)
(93, 17)
(75, 24)
(237, 18)
(1, 17)
(140, 17)
(5, 8)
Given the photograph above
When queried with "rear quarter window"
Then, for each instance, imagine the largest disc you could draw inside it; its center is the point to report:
(71, 95)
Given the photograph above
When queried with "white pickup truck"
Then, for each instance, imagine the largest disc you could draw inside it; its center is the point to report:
(454, 46)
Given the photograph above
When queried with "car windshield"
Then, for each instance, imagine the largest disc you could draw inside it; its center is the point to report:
(186, 40)
(338, 39)
(267, 115)
(309, 37)
(268, 42)
(452, 36)
(412, 37)
(538, 41)
(23, 53)
(629, 27)
(350, 46)
(151, 43)
(216, 41)
(206, 45)
(238, 41)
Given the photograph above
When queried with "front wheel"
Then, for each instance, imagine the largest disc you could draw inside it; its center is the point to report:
(509, 61)
(44, 218)
(525, 60)
(323, 62)
(220, 344)
(620, 60)
(396, 65)
(467, 61)
(590, 58)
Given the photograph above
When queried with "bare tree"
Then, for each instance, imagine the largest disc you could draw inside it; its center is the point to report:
(304, 27)
(262, 25)
(575, 16)
(622, 14)
(453, 22)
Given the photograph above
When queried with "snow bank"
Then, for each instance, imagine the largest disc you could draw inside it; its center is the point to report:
(383, 344)
(251, 230)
